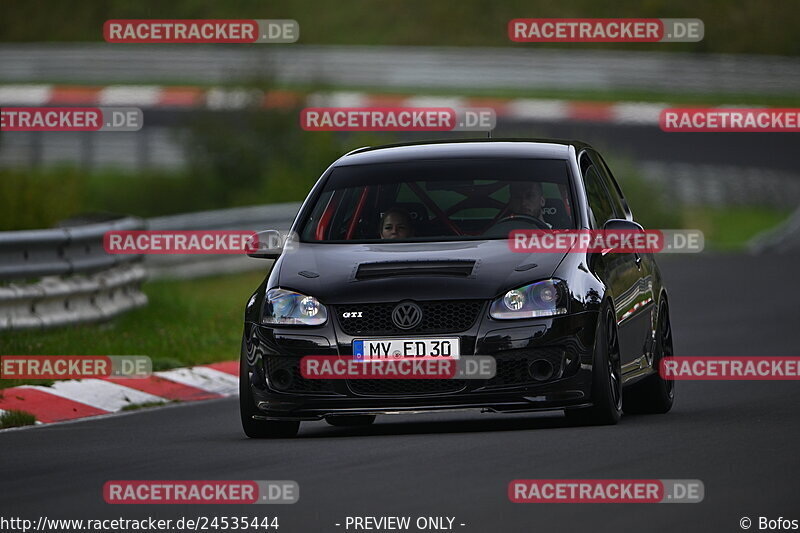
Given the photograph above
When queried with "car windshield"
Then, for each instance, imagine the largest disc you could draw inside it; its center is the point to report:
(440, 200)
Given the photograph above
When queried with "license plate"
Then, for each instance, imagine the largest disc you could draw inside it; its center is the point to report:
(387, 349)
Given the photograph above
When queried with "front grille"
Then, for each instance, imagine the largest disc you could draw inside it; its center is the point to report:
(284, 375)
(446, 316)
(405, 387)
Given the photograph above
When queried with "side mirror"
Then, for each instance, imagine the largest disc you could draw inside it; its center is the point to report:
(621, 225)
(618, 224)
(267, 244)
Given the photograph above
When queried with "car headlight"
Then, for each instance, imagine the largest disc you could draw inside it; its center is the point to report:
(540, 299)
(284, 307)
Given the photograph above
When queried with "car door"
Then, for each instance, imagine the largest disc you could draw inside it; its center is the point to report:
(619, 271)
(643, 306)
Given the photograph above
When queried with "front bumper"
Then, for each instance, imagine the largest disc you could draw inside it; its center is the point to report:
(280, 392)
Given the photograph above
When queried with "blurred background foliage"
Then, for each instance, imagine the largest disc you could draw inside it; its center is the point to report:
(247, 159)
(256, 158)
(733, 26)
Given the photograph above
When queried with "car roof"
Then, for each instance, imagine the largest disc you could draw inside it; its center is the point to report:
(462, 149)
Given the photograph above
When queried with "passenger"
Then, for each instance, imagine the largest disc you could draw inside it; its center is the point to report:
(396, 224)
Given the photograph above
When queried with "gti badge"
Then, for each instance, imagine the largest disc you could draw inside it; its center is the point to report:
(352, 314)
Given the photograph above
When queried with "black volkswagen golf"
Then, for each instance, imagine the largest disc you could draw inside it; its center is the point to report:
(411, 243)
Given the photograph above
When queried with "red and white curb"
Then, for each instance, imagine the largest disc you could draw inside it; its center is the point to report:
(218, 98)
(68, 400)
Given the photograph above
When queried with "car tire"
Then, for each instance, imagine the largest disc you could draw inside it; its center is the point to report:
(654, 394)
(350, 420)
(259, 429)
(606, 406)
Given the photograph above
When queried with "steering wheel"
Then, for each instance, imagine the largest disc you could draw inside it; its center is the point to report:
(527, 218)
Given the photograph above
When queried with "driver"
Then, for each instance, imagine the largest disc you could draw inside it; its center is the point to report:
(527, 199)
(396, 224)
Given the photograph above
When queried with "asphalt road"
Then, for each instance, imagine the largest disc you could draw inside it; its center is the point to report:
(739, 438)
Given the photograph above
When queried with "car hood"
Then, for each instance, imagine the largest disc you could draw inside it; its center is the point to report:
(379, 272)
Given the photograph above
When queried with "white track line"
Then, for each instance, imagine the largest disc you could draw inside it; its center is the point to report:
(537, 109)
(204, 378)
(644, 113)
(338, 99)
(130, 95)
(453, 102)
(34, 95)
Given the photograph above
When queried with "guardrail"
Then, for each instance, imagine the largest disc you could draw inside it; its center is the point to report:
(255, 218)
(63, 276)
(393, 67)
(782, 239)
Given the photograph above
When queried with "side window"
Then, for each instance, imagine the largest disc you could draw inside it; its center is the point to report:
(617, 200)
(585, 163)
(599, 201)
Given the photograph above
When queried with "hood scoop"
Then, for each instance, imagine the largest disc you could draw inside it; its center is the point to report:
(450, 268)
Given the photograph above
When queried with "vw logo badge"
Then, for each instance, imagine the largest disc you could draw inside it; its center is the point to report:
(407, 315)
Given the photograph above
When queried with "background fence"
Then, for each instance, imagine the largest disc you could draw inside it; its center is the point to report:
(401, 66)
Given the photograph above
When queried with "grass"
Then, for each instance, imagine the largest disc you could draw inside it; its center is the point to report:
(262, 159)
(13, 418)
(7, 383)
(186, 323)
(736, 26)
(40, 198)
(729, 229)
